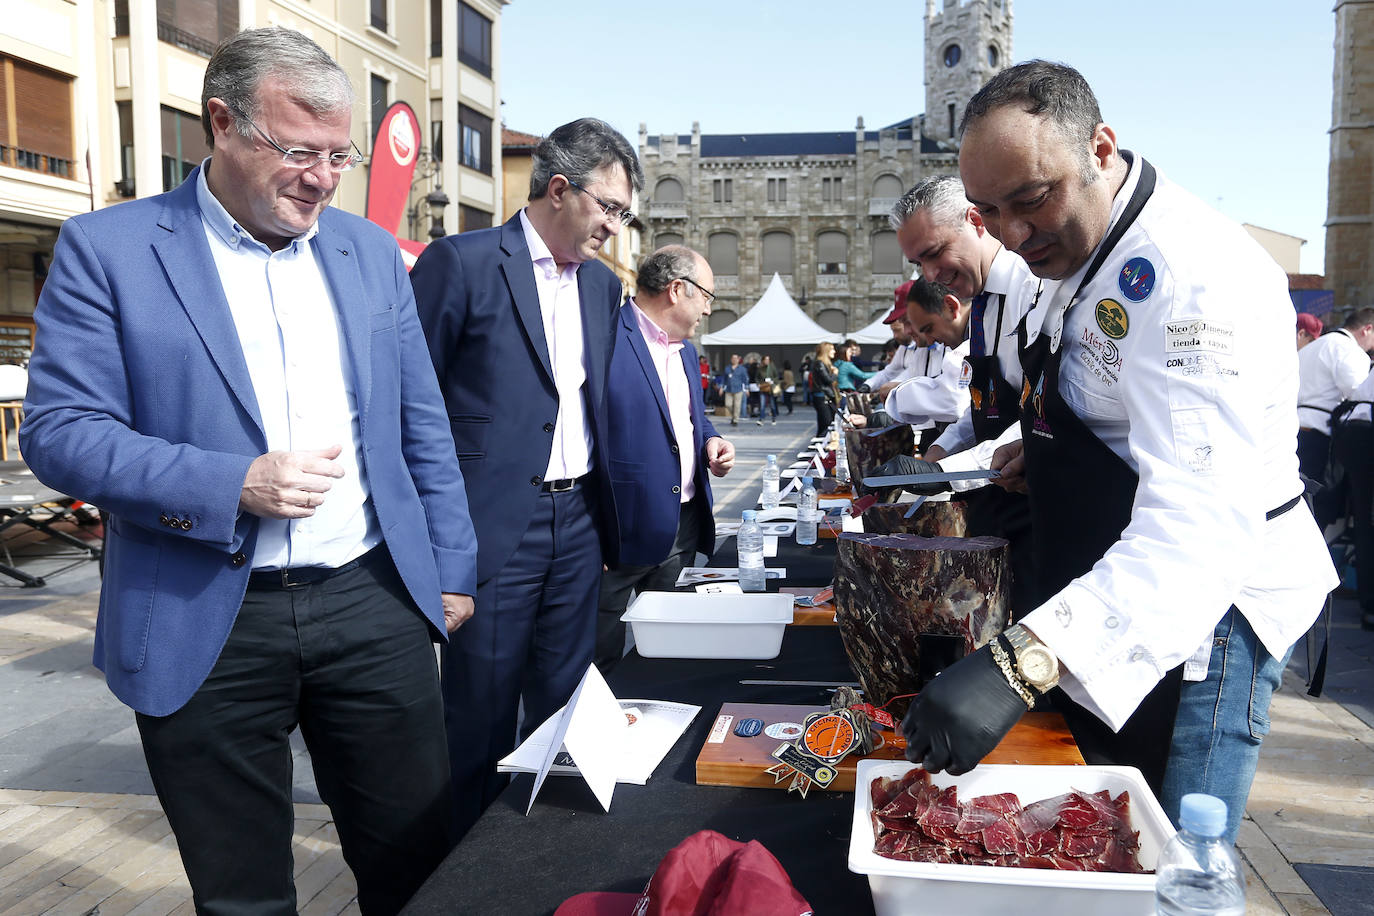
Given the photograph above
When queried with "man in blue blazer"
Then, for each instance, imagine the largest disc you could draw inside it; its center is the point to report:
(662, 443)
(518, 320)
(237, 375)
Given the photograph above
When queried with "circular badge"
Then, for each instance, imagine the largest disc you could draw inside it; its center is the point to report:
(829, 736)
(784, 731)
(1137, 279)
(1112, 318)
(402, 137)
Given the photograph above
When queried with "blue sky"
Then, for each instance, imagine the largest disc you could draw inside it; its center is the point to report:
(1230, 99)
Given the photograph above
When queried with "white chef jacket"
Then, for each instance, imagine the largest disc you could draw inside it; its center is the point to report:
(937, 392)
(1196, 390)
(1329, 368)
(909, 360)
(1364, 391)
(1012, 287)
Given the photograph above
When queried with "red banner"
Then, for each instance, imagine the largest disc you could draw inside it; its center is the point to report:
(395, 152)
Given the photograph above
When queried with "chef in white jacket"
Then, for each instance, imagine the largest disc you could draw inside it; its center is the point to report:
(1177, 562)
(1329, 368)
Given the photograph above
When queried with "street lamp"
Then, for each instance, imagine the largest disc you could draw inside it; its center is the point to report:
(434, 202)
(437, 201)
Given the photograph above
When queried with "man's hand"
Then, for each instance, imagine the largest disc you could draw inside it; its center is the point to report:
(1010, 461)
(289, 484)
(903, 465)
(886, 389)
(961, 715)
(720, 456)
(457, 610)
(856, 420)
(935, 453)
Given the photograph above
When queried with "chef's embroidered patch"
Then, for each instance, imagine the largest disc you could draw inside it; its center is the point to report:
(1197, 335)
(1112, 318)
(1137, 279)
(965, 375)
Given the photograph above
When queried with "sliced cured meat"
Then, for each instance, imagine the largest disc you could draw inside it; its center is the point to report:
(1001, 838)
(943, 811)
(1084, 845)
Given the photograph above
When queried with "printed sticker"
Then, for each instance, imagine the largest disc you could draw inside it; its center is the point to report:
(1198, 335)
(784, 731)
(720, 730)
(1137, 279)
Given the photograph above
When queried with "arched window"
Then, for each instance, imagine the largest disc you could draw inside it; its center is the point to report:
(777, 254)
(719, 319)
(668, 191)
(722, 252)
(887, 256)
(887, 186)
(667, 238)
(832, 253)
(834, 320)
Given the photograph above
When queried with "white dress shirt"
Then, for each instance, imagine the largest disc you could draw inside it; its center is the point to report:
(1196, 391)
(560, 307)
(672, 375)
(304, 384)
(1329, 369)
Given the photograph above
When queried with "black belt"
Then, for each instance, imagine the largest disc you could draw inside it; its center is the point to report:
(296, 576)
(562, 484)
(1275, 513)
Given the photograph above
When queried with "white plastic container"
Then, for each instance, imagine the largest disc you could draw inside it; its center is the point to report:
(901, 888)
(685, 625)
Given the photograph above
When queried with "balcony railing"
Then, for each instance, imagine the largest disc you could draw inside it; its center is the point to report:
(37, 162)
(881, 206)
(184, 39)
(672, 210)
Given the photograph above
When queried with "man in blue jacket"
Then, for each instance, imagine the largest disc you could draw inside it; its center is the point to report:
(236, 374)
(519, 323)
(661, 441)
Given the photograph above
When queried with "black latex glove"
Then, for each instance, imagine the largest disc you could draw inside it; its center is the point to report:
(906, 464)
(961, 715)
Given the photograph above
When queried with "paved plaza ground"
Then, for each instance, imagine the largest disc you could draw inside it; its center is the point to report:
(81, 832)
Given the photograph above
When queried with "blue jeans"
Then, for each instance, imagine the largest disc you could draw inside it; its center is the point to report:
(1222, 721)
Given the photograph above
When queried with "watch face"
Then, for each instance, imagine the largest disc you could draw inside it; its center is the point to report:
(1037, 666)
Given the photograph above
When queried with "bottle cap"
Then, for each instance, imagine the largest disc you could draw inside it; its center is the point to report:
(809, 482)
(749, 515)
(772, 458)
(1204, 815)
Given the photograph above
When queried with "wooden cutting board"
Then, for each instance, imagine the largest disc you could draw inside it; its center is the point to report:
(1039, 738)
(822, 615)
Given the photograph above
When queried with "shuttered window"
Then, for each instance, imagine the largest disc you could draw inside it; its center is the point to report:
(777, 254)
(40, 101)
(832, 253)
(197, 26)
(668, 191)
(887, 256)
(723, 253)
(183, 146)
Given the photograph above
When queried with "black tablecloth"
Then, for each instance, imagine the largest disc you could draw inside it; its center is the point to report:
(513, 864)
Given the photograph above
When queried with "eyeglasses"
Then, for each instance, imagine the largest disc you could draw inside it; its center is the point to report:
(625, 217)
(710, 296)
(308, 158)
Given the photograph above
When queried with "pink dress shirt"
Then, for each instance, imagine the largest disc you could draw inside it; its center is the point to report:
(667, 357)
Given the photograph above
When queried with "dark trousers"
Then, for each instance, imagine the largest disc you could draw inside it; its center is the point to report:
(1353, 446)
(1314, 447)
(825, 412)
(618, 583)
(530, 637)
(351, 661)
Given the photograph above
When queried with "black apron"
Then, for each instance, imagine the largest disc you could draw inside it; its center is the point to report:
(990, 509)
(1081, 493)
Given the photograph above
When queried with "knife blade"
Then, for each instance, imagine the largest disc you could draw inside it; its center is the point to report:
(901, 480)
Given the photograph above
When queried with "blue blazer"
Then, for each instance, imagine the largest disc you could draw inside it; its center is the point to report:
(480, 310)
(140, 402)
(645, 471)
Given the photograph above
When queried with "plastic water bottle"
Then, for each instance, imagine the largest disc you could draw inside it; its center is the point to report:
(1198, 872)
(769, 497)
(842, 460)
(806, 513)
(749, 547)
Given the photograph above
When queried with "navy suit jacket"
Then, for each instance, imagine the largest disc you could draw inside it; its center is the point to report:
(140, 402)
(645, 471)
(479, 307)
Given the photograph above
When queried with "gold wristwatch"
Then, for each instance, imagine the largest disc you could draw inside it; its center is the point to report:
(1035, 663)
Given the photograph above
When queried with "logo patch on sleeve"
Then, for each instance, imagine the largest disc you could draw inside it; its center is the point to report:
(1137, 279)
(1112, 318)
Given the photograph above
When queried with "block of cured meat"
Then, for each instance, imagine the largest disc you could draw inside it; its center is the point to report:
(867, 450)
(909, 606)
(935, 519)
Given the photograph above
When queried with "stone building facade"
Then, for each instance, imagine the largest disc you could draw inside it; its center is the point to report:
(813, 207)
(1350, 187)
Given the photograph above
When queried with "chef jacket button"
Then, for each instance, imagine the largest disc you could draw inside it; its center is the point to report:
(548, 427)
(185, 524)
(1137, 654)
(1112, 623)
(536, 480)
(674, 449)
(238, 559)
(163, 519)
(677, 489)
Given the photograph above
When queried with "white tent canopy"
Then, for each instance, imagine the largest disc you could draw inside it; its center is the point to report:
(775, 319)
(875, 333)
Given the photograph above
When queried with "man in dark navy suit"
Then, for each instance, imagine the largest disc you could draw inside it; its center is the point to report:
(661, 442)
(519, 323)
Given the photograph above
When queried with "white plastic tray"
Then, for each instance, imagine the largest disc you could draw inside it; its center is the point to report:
(683, 625)
(901, 888)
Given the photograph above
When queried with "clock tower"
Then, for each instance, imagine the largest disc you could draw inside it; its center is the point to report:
(967, 42)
